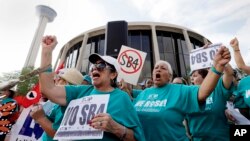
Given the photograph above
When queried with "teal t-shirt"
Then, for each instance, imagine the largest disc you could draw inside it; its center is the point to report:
(239, 100)
(211, 124)
(120, 108)
(244, 89)
(55, 117)
(162, 110)
(136, 92)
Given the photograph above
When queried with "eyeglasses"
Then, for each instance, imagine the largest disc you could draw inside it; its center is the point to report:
(100, 66)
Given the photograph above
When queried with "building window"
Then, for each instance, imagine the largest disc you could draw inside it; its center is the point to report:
(173, 48)
(72, 55)
(195, 43)
(141, 40)
(95, 44)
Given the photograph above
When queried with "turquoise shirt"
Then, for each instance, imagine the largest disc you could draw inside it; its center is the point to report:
(244, 89)
(162, 110)
(239, 100)
(136, 92)
(211, 124)
(55, 117)
(120, 108)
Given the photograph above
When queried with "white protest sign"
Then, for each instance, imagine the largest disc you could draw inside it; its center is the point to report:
(25, 128)
(79, 112)
(131, 62)
(202, 58)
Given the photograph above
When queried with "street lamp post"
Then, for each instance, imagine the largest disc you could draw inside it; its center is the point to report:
(46, 15)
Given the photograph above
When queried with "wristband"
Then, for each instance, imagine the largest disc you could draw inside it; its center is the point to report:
(48, 70)
(215, 71)
(236, 50)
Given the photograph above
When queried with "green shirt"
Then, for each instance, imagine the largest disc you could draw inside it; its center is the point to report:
(120, 108)
(211, 124)
(162, 109)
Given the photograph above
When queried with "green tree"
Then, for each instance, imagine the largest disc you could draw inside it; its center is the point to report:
(25, 86)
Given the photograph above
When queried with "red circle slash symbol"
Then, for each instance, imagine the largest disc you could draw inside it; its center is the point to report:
(130, 61)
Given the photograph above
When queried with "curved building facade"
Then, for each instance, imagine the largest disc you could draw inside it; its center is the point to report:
(161, 41)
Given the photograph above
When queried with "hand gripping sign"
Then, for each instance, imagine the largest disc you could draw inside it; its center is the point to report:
(78, 113)
(131, 62)
(203, 57)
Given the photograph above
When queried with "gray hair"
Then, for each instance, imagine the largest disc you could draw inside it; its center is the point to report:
(168, 67)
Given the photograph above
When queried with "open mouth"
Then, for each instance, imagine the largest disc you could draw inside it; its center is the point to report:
(95, 75)
(158, 75)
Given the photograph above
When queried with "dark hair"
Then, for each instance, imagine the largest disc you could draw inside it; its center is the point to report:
(202, 72)
(12, 93)
(113, 81)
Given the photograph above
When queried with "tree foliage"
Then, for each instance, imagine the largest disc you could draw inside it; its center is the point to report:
(24, 87)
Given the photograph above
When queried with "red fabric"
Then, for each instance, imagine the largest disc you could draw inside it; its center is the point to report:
(32, 97)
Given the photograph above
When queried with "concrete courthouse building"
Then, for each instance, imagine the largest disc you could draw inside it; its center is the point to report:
(161, 41)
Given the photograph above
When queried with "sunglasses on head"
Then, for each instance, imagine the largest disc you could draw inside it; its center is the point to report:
(101, 66)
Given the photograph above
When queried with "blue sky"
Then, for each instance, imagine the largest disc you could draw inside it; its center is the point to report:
(219, 21)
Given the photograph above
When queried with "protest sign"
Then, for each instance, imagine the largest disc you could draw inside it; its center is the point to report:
(131, 62)
(202, 58)
(25, 128)
(79, 112)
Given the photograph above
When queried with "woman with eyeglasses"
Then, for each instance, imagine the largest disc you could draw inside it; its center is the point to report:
(162, 108)
(120, 122)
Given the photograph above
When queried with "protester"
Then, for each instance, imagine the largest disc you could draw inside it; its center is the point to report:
(51, 123)
(87, 80)
(211, 123)
(164, 105)
(147, 83)
(237, 56)
(8, 112)
(126, 87)
(180, 80)
(117, 124)
(243, 91)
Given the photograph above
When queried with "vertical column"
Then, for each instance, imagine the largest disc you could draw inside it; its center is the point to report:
(186, 37)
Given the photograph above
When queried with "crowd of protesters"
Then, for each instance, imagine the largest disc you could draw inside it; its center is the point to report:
(163, 108)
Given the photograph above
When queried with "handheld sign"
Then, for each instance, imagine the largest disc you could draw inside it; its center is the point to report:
(79, 112)
(202, 58)
(131, 62)
(25, 128)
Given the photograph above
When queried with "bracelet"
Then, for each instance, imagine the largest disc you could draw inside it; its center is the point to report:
(48, 70)
(124, 133)
(215, 71)
(236, 50)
